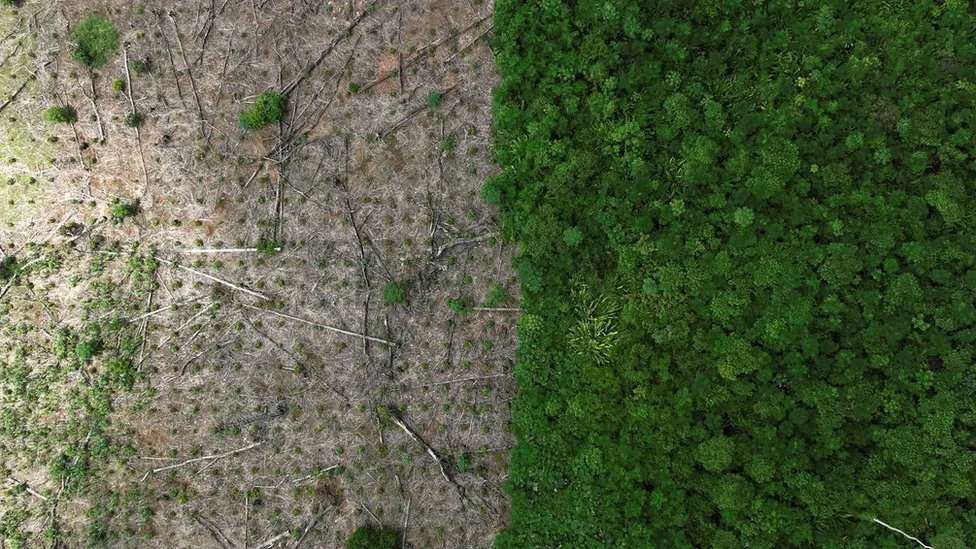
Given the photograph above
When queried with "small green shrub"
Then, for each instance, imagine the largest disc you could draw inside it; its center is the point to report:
(496, 295)
(367, 537)
(434, 100)
(61, 115)
(121, 210)
(118, 85)
(95, 41)
(353, 87)
(268, 246)
(459, 305)
(269, 107)
(447, 144)
(394, 293)
(88, 349)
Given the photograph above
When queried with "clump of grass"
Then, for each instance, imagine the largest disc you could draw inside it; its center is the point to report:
(269, 107)
(459, 305)
(61, 115)
(462, 463)
(434, 100)
(394, 293)
(95, 41)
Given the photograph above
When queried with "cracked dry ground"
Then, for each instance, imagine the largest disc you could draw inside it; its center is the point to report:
(268, 409)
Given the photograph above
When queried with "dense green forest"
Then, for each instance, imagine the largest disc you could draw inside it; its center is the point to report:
(747, 260)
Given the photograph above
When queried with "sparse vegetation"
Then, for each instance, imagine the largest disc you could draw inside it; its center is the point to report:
(221, 370)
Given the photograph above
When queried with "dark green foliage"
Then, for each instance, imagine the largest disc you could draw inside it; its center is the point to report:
(269, 107)
(133, 120)
(8, 268)
(367, 537)
(462, 463)
(434, 100)
(88, 349)
(60, 115)
(394, 293)
(141, 66)
(95, 41)
(748, 265)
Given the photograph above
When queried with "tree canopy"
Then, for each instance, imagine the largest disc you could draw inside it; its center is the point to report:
(748, 264)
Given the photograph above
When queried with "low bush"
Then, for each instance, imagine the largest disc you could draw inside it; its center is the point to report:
(95, 41)
(268, 108)
(61, 115)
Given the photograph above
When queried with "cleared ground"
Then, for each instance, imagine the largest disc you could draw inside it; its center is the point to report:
(165, 384)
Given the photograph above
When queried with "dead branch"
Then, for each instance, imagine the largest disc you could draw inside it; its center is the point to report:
(272, 541)
(29, 490)
(128, 77)
(221, 250)
(214, 279)
(308, 528)
(460, 242)
(497, 309)
(323, 326)
(189, 73)
(430, 451)
(462, 380)
(471, 43)
(310, 67)
(98, 117)
(406, 521)
(425, 51)
(13, 278)
(213, 457)
(145, 318)
(363, 505)
(215, 532)
(913, 538)
(32, 76)
(382, 135)
(359, 241)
